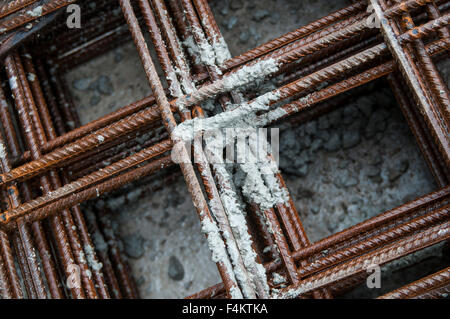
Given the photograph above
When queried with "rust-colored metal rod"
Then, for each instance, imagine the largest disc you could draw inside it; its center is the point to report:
(208, 293)
(30, 291)
(95, 191)
(377, 221)
(15, 38)
(88, 142)
(438, 91)
(26, 238)
(5, 248)
(112, 155)
(421, 286)
(435, 293)
(377, 241)
(5, 285)
(220, 215)
(280, 240)
(440, 197)
(173, 44)
(434, 13)
(437, 86)
(211, 90)
(23, 99)
(90, 127)
(422, 203)
(88, 180)
(305, 67)
(333, 35)
(13, 6)
(423, 141)
(97, 46)
(340, 87)
(160, 47)
(432, 115)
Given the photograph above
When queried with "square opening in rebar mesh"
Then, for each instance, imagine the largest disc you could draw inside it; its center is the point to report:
(107, 83)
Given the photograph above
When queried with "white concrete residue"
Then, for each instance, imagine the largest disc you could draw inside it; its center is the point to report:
(217, 248)
(250, 74)
(238, 224)
(271, 116)
(221, 49)
(204, 50)
(260, 184)
(278, 279)
(13, 82)
(215, 243)
(214, 54)
(36, 12)
(100, 138)
(171, 79)
(244, 76)
(233, 252)
(242, 116)
(192, 48)
(31, 77)
(3, 152)
(90, 253)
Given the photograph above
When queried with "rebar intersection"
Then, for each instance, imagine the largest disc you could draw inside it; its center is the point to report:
(310, 65)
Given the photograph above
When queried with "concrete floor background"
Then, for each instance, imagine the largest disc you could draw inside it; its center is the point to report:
(342, 168)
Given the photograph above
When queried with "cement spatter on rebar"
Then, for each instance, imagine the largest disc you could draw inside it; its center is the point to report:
(214, 54)
(221, 50)
(240, 78)
(249, 74)
(260, 184)
(278, 279)
(241, 117)
(3, 152)
(36, 12)
(202, 50)
(92, 261)
(13, 82)
(233, 252)
(238, 224)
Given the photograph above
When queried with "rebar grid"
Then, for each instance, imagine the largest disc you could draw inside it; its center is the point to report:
(52, 164)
